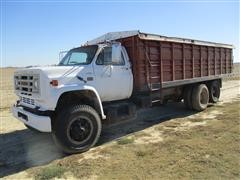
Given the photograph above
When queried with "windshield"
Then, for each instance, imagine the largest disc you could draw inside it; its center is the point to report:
(79, 56)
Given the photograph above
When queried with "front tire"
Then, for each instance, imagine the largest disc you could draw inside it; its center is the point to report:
(77, 129)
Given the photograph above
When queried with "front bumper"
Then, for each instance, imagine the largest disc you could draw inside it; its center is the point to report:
(41, 123)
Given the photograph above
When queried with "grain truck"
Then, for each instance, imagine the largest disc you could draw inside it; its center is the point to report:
(109, 78)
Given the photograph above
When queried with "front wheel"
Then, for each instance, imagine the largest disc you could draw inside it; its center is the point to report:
(77, 129)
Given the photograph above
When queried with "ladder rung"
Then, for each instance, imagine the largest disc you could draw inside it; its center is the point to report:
(155, 89)
(157, 100)
(154, 62)
(155, 65)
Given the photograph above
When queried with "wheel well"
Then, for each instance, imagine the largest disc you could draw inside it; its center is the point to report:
(209, 83)
(86, 97)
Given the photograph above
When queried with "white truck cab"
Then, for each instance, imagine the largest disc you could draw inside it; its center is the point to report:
(86, 77)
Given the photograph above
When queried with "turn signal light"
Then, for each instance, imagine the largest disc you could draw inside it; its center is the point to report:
(54, 82)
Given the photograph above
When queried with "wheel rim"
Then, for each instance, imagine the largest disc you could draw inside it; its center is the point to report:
(204, 97)
(79, 130)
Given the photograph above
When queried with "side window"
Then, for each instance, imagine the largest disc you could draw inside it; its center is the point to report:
(100, 58)
(122, 59)
(105, 57)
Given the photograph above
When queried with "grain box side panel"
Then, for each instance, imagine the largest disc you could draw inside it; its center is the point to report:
(229, 60)
(211, 60)
(188, 61)
(157, 62)
(167, 61)
(178, 61)
(204, 56)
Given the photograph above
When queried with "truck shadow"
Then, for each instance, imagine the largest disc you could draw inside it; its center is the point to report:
(23, 149)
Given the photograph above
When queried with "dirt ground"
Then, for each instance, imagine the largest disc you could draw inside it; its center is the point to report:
(166, 139)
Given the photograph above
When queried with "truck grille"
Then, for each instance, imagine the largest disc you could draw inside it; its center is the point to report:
(28, 101)
(27, 84)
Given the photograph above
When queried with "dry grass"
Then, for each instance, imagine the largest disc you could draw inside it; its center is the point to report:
(7, 96)
(50, 173)
(124, 141)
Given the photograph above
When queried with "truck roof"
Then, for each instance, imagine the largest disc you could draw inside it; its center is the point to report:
(111, 36)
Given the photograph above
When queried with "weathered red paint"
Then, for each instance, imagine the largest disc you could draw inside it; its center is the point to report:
(156, 62)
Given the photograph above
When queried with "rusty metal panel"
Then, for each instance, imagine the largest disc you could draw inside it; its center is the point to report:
(158, 62)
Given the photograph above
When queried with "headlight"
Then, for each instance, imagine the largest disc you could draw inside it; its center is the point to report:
(15, 82)
(35, 84)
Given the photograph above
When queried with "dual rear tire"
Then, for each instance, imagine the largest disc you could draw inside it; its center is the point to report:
(200, 97)
(196, 97)
(214, 91)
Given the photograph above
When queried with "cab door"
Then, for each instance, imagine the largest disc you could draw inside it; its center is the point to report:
(113, 74)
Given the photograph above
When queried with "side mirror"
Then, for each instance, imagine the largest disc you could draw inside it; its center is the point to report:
(62, 54)
(116, 53)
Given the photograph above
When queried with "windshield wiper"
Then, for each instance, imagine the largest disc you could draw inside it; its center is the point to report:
(73, 63)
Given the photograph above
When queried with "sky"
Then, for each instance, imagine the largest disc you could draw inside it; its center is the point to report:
(34, 32)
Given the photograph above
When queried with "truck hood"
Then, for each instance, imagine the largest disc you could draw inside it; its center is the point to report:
(56, 71)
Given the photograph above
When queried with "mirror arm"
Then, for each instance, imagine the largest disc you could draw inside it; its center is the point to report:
(81, 79)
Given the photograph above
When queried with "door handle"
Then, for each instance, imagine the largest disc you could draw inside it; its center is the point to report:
(124, 68)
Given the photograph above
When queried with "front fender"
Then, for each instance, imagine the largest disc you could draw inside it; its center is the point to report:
(75, 87)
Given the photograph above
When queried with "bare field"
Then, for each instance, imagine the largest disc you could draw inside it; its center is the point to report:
(166, 142)
(7, 97)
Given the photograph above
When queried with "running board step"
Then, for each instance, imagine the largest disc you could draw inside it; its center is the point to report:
(119, 112)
